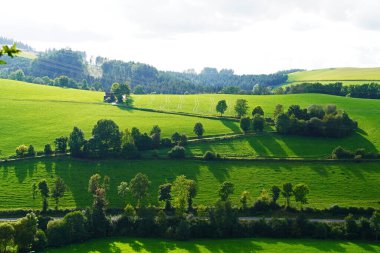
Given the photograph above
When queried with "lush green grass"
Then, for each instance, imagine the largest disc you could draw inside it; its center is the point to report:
(132, 245)
(345, 184)
(365, 111)
(36, 114)
(336, 74)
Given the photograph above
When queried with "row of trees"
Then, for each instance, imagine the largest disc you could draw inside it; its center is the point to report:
(368, 90)
(315, 120)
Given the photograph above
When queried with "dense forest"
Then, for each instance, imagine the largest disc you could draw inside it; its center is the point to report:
(101, 73)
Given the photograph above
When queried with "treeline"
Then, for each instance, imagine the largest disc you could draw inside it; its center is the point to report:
(178, 219)
(20, 45)
(369, 90)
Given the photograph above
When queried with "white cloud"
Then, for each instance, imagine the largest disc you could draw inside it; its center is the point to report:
(250, 36)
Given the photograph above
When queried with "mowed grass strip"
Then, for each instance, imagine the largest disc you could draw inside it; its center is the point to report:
(134, 245)
(344, 184)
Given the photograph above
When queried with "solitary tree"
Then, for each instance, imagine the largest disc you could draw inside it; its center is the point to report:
(198, 129)
(287, 192)
(225, 190)
(300, 193)
(58, 191)
(7, 233)
(241, 107)
(45, 194)
(221, 107)
(164, 194)
(245, 124)
(275, 190)
(139, 186)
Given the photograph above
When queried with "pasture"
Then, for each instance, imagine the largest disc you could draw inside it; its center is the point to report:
(328, 182)
(336, 74)
(134, 245)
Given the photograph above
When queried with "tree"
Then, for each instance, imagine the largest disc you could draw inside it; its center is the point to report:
(225, 190)
(58, 191)
(25, 232)
(375, 223)
(180, 192)
(278, 110)
(164, 194)
(121, 90)
(287, 192)
(177, 152)
(275, 190)
(221, 107)
(241, 107)
(139, 186)
(76, 142)
(34, 190)
(21, 150)
(198, 129)
(192, 186)
(245, 124)
(123, 189)
(45, 194)
(7, 233)
(244, 199)
(48, 150)
(31, 151)
(61, 144)
(17, 75)
(155, 134)
(176, 137)
(283, 123)
(258, 123)
(107, 137)
(300, 193)
(258, 110)
(10, 51)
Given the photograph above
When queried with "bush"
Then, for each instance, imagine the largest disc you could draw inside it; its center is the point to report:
(341, 153)
(56, 233)
(183, 140)
(182, 231)
(40, 241)
(245, 124)
(211, 156)
(31, 151)
(178, 152)
(21, 150)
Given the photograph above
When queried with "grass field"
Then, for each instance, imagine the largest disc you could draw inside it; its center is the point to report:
(328, 182)
(365, 111)
(336, 74)
(133, 245)
(36, 114)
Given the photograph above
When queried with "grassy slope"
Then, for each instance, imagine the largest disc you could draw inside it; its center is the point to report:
(36, 114)
(365, 111)
(328, 182)
(132, 245)
(336, 74)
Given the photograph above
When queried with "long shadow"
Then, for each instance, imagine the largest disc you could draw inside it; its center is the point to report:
(231, 125)
(266, 145)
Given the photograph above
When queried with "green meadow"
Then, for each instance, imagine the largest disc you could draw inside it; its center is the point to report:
(336, 74)
(344, 184)
(37, 114)
(259, 245)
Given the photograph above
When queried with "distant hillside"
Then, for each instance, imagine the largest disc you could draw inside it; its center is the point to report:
(346, 75)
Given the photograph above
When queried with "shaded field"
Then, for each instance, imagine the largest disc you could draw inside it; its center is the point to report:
(328, 182)
(36, 114)
(132, 245)
(336, 74)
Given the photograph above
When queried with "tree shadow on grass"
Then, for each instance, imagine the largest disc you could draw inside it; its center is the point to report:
(266, 145)
(232, 125)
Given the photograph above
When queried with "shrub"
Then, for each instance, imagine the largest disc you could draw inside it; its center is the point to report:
(183, 140)
(40, 241)
(130, 151)
(245, 124)
(211, 156)
(21, 150)
(182, 231)
(341, 153)
(177, 152)
(31, 151)
(56, 233)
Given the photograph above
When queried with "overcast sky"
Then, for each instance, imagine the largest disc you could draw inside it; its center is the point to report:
(249, 36)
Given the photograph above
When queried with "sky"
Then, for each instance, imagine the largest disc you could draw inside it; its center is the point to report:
(248, 36)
